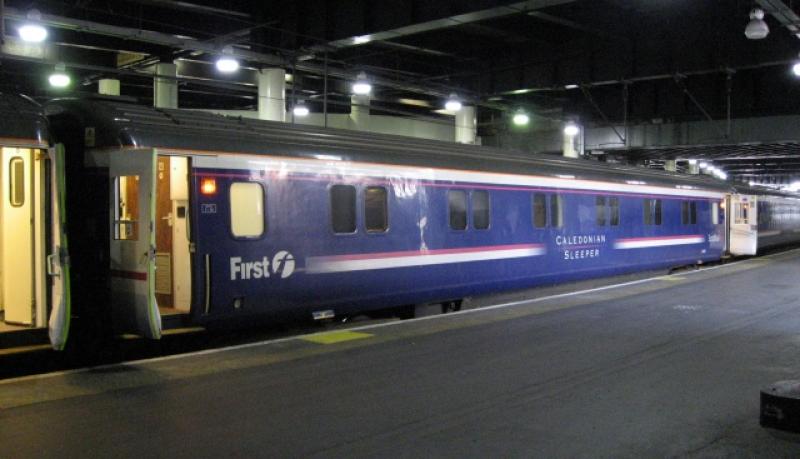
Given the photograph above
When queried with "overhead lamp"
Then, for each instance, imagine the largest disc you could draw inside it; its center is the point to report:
(361, 39)
(703, 165)
(453, 104)
(33, 31)
(300, 109)
(796, 69)
(757, 28)
(520, 118)
(226, 63)
(59, 78)
(362, 86)
(692, 162)
(751, 183)
(571, 86)
(722, 175)
(571, 129)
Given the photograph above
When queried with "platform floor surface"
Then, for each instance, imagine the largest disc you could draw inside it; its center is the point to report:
(668, 367)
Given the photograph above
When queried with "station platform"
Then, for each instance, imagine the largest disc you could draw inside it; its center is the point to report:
(668, 366)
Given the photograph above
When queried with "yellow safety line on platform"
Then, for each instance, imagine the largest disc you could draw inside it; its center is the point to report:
(336, 337)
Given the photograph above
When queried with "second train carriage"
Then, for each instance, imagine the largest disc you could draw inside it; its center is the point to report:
(212, 218)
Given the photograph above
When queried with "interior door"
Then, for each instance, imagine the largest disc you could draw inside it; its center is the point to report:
(132, 248)
(58, 260)
(17, 235)
(743, 220)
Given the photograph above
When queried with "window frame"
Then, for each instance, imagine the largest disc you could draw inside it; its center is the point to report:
(601, 211)
(450, 209)
(544, 210)
(614, 211)
(556, 201)
(355, 209)
(265, 220)
(387, 220)
(488, 209)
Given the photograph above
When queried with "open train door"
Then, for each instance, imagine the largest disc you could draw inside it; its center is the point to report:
(58, 260)
(132, 248)
(743, 220)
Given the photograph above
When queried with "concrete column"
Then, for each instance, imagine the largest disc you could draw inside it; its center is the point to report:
(570, 146)
(108, 87)
(466, 125)
(359, 112)
(272, 94)
(165, 86)
(671, 165)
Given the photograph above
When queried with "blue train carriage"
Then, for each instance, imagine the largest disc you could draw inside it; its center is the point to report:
(762, 219)
(33, 271)
(216, 218)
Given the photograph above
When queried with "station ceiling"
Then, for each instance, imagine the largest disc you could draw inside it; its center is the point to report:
(601, 62)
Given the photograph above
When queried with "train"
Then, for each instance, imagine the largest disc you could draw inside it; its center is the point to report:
(143, 218)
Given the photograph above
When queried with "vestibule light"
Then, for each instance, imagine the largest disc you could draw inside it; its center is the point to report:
(571, 129)
(756, 29)
(208, 186)
(32, 31)
(300, 109)
(59, 78)
(453, 104)
(226, 63)
(520, 118)
(362, 86)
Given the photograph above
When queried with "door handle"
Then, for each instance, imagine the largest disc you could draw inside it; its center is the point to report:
(51, 270)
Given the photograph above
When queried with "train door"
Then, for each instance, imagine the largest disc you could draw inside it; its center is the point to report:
(58, 260)
(743, 221)
(133, 245)
(173, 274)
(17, 301)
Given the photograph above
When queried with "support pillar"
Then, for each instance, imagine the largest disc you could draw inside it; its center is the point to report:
(108, 86)
(165, 85)
(671, 165)
(272, 94)
(694, 169)
(466, 125)
(359, 112)
(570, 145)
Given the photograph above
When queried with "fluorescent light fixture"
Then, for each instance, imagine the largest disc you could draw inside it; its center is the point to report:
(751, 183)
(33, 31)
(571, 129)
(226, 63)
(571, 86)
(703, 164)
(722, 175)
(520, 118)
(453, 104)
(361, 39)
(300, 110)
(59, 78)
(362, 86)
(796, 69)
(692, 162)
(756, 29)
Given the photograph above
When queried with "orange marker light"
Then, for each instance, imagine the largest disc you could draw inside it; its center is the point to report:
(208, 186)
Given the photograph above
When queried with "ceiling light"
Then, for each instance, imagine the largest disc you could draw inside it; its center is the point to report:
(571, 129)
(59, 78)
(692, 162)
(453, 104)
(300, 110)
(722, 175)
(703, 164)
(520, 118)
(362, 86)
(226, 63)
(33, 31)
(571, 86)
(796, 69)
(361, 39)
(751, 183)
(756, 29)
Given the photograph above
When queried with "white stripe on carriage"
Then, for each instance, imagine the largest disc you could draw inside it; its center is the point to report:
(645, 243)
(400, 175)
(322, 265)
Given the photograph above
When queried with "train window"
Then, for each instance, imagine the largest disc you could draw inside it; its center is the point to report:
(600, 210)
(126, 211)
(539, 210)
(657, 208)
(613, 203)
(684, 213)
(17, 181)
(343, 208)
(715, 213)
(693, 212)
(376, 218)
(740, 213)
(648, 211)
(247, 209)
(457, 203)
(480, 210)
(556, 211)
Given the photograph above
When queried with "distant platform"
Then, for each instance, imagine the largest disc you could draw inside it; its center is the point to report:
(668, 366)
